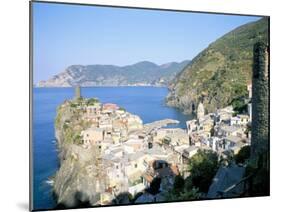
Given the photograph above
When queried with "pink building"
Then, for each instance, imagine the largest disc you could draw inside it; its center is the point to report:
(110, 106)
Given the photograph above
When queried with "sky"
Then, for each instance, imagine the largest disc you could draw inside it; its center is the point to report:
(65, 35)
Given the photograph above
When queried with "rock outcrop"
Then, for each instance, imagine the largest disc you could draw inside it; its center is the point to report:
(80, 178)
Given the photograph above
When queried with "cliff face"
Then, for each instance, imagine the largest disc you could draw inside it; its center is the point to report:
(142, 73)
(219, 75)
(80, 178)
(73, 181)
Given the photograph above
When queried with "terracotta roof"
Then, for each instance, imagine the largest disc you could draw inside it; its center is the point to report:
(148, 178)
(175, 169)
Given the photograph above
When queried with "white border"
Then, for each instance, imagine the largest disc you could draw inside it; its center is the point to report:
(14, 106)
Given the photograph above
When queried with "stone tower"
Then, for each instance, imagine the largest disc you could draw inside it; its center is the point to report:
(200, 111)
(249, 107)
(260, 105)
(77, 92)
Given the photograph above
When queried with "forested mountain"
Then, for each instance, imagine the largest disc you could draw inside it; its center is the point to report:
(219, 75)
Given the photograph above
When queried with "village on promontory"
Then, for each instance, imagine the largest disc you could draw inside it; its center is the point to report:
(108, 156)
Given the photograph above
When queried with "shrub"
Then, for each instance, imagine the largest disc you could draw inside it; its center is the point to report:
(92, 101)
(178, 183)
(243, 154)
(203, 167)
(155, 186)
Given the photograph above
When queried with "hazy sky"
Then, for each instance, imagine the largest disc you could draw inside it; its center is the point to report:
(72, 34)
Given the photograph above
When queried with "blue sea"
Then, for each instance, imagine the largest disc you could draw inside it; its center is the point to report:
(147, 102)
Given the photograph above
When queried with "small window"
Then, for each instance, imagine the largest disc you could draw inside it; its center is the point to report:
(136, 165)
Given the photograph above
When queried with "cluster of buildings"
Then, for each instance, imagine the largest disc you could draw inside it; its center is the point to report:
(127, 151)
(133, 155)
(222, 131)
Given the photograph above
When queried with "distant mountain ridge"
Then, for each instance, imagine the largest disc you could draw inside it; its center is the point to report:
(141, 73)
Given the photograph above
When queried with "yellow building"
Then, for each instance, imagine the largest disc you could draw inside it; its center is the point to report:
(92, 135)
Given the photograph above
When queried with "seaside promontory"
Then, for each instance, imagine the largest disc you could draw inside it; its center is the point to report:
(89, 134)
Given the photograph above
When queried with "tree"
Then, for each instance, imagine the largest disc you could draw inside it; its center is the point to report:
(92, 101)
(122, 108)
(243, 154)
(203, 167)
(155, 186)
(239, 104)
(182, 190)
(184, 195)
(178, 183)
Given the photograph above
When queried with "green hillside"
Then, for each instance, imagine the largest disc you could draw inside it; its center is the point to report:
(219, 74)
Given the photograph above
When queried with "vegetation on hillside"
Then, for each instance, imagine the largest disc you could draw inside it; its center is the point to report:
(68, 123)
(219, 74)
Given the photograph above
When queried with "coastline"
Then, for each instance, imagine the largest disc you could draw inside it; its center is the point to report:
(105, 86)
(95, 139)
(78, 156)
(153, 109)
